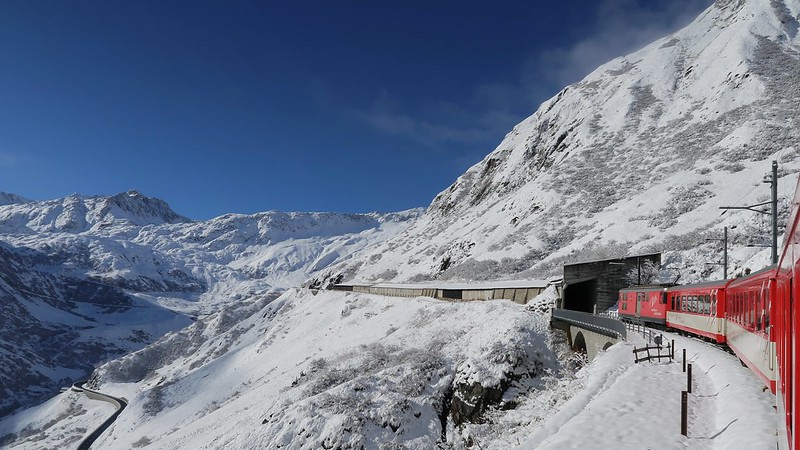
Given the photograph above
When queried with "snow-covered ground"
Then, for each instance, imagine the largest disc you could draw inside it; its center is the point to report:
(615, 403)
(341, 370)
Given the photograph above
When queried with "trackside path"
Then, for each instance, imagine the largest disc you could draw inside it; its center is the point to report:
(621, 405)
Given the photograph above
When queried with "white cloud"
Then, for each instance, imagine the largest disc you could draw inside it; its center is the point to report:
(440, 123)
(621, 27)
(9, 159)
(490, 110)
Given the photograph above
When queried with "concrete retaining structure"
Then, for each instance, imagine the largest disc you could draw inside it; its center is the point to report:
(518, 291)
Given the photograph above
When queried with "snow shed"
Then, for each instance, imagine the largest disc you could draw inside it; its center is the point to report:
(519, 291)
(594, 286)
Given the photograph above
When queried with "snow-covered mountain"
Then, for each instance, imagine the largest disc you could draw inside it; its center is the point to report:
(86, 279)
(637, 157)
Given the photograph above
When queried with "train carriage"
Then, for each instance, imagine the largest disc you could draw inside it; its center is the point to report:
(698, 309)
(785, 321)
(748, 322)
(647, 304)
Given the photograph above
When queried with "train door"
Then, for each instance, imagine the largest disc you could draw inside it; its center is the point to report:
(639, 302)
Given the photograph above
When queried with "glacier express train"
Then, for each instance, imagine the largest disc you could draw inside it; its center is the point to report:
(756, 316)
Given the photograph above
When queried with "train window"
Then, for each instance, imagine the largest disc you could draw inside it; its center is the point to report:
(742, 299)
(751, 310)
(757, 311)
(707, 304)
(684, 303)
(663, 298)
(694, 304)
(739, 308)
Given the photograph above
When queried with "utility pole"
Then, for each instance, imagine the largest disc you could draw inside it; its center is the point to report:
(638, 271)
(774, 182)
(724, 252)
(772, 179)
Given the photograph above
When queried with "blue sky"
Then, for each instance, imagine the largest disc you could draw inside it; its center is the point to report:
(348, 106)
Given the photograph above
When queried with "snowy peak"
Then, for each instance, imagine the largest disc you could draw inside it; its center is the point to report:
(78, 214)
(138, 209)
(7, 198)
(713, 69)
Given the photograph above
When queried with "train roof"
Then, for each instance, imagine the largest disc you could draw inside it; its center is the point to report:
(702, 284)
(752, 275)
(646, 288)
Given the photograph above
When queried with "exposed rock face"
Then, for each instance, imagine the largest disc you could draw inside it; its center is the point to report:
(471, 400)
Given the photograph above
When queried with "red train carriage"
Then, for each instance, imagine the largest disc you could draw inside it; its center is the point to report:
(784, 336)
(646, 304)
(698, 308)
(748, 322)
(785, 320)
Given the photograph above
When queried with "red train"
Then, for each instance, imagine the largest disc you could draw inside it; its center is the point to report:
(756, 316)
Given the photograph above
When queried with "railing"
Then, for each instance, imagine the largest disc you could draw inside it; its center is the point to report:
(669, 350)
(652, 336)
(602, 325)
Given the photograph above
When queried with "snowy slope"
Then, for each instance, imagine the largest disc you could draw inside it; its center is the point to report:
(637, 157)
(317, 369)
(342, 370)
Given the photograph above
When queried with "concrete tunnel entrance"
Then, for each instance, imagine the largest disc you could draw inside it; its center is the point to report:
(595, 284)
(581, 295)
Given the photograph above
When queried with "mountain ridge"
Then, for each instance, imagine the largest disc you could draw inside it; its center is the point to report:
(635, 158)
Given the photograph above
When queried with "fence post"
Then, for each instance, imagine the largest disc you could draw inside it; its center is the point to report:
(684, 360)
(689, 380)
(672, 350)
(684, 413)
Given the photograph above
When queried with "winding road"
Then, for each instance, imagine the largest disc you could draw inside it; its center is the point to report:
(119, 403)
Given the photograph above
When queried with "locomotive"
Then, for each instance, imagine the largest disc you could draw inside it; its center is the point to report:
(755, 316)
